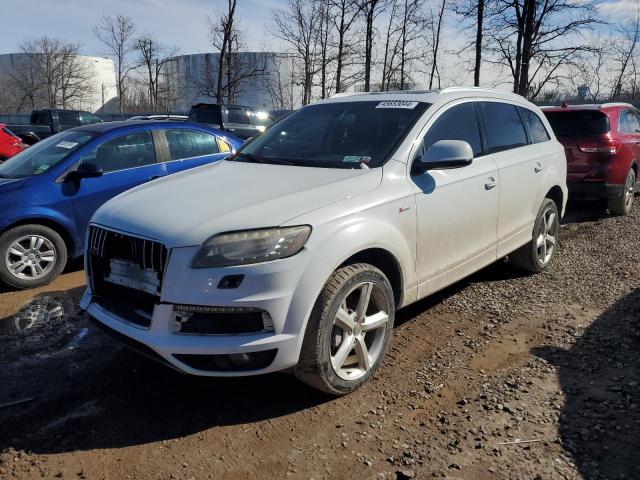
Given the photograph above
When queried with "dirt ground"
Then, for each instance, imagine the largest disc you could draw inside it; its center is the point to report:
(502, 376)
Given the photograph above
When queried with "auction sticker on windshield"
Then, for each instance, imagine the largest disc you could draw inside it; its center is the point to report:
(397, 104)
(66, 144)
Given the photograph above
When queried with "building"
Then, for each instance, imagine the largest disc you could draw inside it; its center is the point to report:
(86, 83)
(257, 79)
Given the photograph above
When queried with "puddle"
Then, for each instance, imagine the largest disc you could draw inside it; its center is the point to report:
(39, 312)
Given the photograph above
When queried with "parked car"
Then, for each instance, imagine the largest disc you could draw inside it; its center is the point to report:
(47, 122)
(296, 252)
(243, 122)
(49, 192)
(173, 118)
(10, 143)
(602, 144)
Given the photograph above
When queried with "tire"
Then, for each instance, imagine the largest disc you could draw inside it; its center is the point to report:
(622, 205)
(536, 255)
(338, 352)
(23, 248)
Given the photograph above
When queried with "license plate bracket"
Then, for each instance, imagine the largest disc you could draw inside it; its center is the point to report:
(132, 275)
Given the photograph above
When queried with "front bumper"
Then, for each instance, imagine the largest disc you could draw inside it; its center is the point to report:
(284, 288)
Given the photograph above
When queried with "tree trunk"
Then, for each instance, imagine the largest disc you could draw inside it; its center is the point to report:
(479, 34)
(527, 46)
(436, 46)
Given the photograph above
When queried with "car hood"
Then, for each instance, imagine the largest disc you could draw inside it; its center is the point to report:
(187, 208)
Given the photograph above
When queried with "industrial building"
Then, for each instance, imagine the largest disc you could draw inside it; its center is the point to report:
(23, 84)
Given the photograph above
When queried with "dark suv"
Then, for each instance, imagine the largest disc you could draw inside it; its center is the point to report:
(602, 145)
(242, 122)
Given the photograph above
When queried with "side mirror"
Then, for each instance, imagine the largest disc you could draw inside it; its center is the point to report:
(444, 154)
(84, 170)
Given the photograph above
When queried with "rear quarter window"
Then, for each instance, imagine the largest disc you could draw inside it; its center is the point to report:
(537, 131)
(578, 123)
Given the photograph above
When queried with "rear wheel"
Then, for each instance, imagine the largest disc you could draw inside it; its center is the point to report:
(536, 255)
(31, 256)
(349, 330)
(622, 205)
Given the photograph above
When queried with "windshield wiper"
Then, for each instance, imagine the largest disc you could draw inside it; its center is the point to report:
(247, 157)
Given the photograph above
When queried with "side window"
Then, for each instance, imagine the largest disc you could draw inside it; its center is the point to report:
(456, 123)
(238, 116)
(629, 122)
(503, 126)
(128, 151)
(67, 119)
(88, 119)
(190, 143)
(537, 130)
(223, 146)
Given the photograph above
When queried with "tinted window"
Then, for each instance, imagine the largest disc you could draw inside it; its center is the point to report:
(190, 143)
(629, 122)
(40, 118)
(237, 116)
(210, 116)
(43, 155)
(339, 135)
(503, 126)
(129, 151)
(537, 130)
(456, 123)
(578, 123)
(88, 119)
(67, 118)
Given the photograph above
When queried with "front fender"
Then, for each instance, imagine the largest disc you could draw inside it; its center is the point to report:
(43, 215)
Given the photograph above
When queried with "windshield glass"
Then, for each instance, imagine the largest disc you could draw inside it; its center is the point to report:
(43, 155)
(338, 135)
(578, 123)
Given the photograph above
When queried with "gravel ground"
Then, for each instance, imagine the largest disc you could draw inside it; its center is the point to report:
(500, 376)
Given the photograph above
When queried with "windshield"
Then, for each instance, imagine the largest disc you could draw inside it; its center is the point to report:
(43, 155)
(578, 123)
(339, 135)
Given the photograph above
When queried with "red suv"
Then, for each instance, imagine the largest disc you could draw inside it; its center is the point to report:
(10, 144)
(602, 145)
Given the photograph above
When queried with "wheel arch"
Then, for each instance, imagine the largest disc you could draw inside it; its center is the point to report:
(53, 225)
(556, 194)
(385, 261)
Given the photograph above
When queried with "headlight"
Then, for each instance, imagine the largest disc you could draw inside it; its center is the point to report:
(251, 246)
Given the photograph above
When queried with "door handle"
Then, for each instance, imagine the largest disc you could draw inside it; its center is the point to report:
(538, 168)
(491, 184)
(231, 129)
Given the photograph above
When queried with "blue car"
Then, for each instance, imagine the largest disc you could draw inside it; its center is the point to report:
(49, 192)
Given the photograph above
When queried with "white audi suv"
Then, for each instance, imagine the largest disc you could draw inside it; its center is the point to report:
(296, 252)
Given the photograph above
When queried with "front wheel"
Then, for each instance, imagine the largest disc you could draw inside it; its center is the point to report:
(622, 205)
(31, 256)
(349, 330)
(536, 255)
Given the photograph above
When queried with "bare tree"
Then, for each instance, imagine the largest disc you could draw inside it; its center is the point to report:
(534, 39)
(280, 83)
(346, 14)
(436, 28)
(116, 33)
(52, 74)
(153, 57)
(475, 13)
(298, 25)
(370, 11)
(223, 34)
(624, 51)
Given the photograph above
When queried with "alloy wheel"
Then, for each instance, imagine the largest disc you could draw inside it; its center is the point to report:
(30, 257)
(357, 337)
(547, 236)
(629, 191)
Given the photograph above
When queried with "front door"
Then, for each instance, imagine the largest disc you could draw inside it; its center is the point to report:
(457, 209)
(127, 161)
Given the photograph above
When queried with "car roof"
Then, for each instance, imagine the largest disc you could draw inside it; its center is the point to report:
(604, 107)
(126, 124)
(428, 96)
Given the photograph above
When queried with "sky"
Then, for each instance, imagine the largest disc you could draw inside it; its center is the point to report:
(181, 23)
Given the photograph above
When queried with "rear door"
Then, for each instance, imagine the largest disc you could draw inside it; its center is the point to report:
(187, 148)
(629, 130)
(519, 165)
(127, 160)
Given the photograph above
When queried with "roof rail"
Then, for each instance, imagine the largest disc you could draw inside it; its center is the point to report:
(479, 90)
(616, 104)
